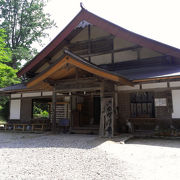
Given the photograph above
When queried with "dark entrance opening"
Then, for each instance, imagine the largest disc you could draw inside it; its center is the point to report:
(85, 114)
(86, 111)
(97, 110)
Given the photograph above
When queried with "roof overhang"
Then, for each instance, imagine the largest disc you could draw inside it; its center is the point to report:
(71, 59)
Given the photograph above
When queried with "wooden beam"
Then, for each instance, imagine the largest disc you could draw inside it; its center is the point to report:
(112, 54)
(78, 80)
(89, 42)
(138, 54)
(50, 81)
(112, 51)
(77, 86)
(99, 72)
(81, 65)
(87, 89)
(101, 127)
(77, 74)
(92, 40)
(46, 74)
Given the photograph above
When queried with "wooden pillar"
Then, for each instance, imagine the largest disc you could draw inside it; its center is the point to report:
(71, 116)
(107, 94)
(116, 110)
(101, 128)
(91, 109)
(112, 54)
(54, 110)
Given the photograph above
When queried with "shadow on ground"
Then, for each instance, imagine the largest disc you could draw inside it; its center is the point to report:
(162, 142)
(28, 140)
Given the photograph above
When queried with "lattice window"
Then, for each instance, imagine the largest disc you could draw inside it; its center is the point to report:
(142, 104)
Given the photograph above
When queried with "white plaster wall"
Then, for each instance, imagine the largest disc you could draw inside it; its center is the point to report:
(101, 59)
(175, 84)
(120, 43)
(15, 95)
(48, 93)
(126, 88)
(125, 56)
(176, 103)
(148, 53)
(82, 36)
(97, 32)
(15, 106)
(154, 85)
(34, 94)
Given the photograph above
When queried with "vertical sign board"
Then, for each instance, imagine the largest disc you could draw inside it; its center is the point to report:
(107, 113)
(15, 106)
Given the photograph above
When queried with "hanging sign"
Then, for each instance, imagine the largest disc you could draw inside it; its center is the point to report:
(160, 102)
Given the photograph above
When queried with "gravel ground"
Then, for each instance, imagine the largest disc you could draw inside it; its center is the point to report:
(42, 156)
(46, 156)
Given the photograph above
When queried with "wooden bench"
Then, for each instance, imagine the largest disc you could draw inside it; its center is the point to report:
(21, 127)
(8, 126)
(37, 127)
(143, 123)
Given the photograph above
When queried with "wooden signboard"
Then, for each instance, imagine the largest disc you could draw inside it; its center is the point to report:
(107, 115)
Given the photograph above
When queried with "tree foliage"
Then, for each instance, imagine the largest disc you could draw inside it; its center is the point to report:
(5, 54)
(25, 22)
(7, 74)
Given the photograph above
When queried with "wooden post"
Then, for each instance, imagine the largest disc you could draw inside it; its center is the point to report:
(71, 116)
(112, 54)
(89, 42)
(116, 110)
(54, 110)
(101, 128)
(91, 108)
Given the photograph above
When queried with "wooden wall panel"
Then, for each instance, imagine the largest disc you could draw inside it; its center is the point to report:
(26, 109)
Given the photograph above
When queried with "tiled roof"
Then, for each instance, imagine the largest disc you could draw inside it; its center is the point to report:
(13, 87)
(144, 69)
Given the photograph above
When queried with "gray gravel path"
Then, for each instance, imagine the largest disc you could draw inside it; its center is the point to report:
(42, 156)
(85, 157)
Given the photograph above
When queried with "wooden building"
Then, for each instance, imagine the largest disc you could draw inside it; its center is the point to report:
(101, 76)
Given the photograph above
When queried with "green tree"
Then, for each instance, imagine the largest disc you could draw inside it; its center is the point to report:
(25, 22)
(5, 54)
(7, 74)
